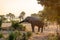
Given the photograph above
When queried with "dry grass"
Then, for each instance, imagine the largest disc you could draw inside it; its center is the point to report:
(50, 29)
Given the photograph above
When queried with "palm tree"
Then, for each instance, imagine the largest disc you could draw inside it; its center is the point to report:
(21, 16)
(10, 15)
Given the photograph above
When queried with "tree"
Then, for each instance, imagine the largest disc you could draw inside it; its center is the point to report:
(10, 15)
(51, 9)
(3, 17)
(21, 16)
(39, 15)
(34, 15)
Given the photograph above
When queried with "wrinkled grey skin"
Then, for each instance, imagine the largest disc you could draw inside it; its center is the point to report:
(34, 22)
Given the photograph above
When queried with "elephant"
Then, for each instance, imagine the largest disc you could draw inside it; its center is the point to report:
(34, 22)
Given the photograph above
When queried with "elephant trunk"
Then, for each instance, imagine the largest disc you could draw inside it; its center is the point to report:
(21, 21)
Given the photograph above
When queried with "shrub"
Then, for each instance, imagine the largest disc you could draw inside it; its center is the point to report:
(29, 34)
(24, 36)
(15, 24)
(12, 36)
(18, 35)
(0, 23)
(22, 28)
(1, 35)
(18, 26)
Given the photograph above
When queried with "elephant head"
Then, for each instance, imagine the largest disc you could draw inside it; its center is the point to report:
(26, 20)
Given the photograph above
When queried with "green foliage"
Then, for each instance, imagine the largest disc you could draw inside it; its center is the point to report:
(1, 35)
(29, 34)
(34, 15)
(21, 16)
(17, 35)
(11, 36)
(23, 28)
(18, 26)
(15, 24)
(10, 15)
(24, 36)
(0, 22)
(49, 2)
(51, 9)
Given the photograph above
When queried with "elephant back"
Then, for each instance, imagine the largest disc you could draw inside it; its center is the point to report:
(33, 18)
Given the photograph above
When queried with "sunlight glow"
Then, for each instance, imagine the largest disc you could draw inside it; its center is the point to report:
(17, 6)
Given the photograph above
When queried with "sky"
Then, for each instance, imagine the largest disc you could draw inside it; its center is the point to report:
(17, 6)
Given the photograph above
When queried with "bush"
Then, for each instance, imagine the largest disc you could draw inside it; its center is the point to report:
(22, 28)
(15, 24)
(1, 35)
(18, 26)
(24, 36)
(17, 35)
(0, 23)
(29, 34)
(12, 36)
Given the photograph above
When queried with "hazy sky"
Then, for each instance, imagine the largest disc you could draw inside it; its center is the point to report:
(16, 6)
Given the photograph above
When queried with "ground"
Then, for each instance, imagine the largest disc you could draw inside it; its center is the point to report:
(52, 28)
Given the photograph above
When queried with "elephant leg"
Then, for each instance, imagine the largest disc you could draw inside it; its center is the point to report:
(41, 29)
(32, 28)
(38, 29)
